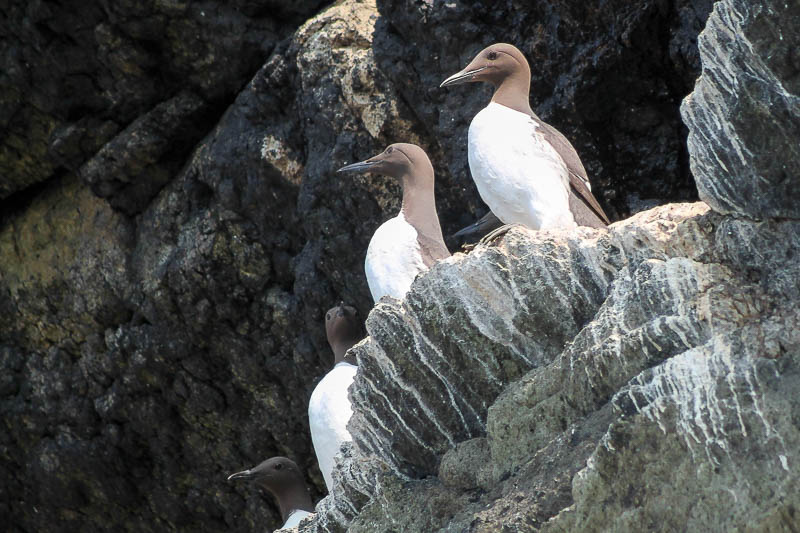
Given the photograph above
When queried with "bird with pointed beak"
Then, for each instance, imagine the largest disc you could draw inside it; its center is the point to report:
(525, 170)
(282, 478)
(411, 242)
(329, 408)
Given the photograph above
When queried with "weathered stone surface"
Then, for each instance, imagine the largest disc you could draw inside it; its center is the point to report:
(131, 168)
(744, 114)
(678, 374)
(713, 431)
(466, 466)
(674, 404)
(158, 350)
(166, 342)
(508, 305)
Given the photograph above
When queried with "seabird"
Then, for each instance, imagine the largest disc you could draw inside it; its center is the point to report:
(411, 242)
(526, 171)
(329, 408)
(282, 478)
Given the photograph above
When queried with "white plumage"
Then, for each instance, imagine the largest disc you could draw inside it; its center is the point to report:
(329, 411)
(393, 259)
(295, 518)
(519, 175)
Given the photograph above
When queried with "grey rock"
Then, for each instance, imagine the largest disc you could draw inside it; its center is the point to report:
(744, 114)
(711, 432)
(467, 465)
(472, 326)
(679, 384)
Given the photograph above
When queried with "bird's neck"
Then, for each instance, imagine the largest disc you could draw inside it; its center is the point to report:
(293, 499)
(419, 207)
(340, 352)
(513, 92)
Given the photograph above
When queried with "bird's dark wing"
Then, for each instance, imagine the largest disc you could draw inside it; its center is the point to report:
(581, 209)
(486, 223)
(431, 249)
(582, 202)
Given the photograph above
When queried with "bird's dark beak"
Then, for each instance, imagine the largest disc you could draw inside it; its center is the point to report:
(361, 167)
(464, 76)
(244, 474)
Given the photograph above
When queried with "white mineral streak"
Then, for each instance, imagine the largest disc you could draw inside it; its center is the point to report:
(735, 76)
(423, 344)
(660, 340)
(396, 378)
(489, 298)
(490, 375)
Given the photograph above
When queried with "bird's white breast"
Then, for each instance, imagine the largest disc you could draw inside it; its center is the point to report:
(295, 518)
(519, 175)
(329, 411)
(393, 259)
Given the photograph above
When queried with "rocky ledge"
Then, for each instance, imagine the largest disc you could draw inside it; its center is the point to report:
(577, 381)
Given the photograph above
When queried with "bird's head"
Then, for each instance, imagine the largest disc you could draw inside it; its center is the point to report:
(276, 475)
(343, 328)
(494, 64)
(400, 160)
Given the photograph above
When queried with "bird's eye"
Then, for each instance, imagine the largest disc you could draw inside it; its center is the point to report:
(328, 316)
(389, 150)
(278, 466)
(492, 56)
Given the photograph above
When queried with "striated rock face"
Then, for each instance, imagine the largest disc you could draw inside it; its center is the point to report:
(744, 115)
(664, 368)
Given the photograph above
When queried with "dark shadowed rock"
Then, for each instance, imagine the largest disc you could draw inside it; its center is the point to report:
(188, 337)
(73, 74)
(131, 168)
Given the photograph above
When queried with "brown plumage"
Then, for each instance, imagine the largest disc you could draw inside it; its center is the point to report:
(506, 68)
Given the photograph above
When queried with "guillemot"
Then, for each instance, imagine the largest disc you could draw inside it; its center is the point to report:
(525, 170)
(411, 242)
(282, 478)
(329, 408)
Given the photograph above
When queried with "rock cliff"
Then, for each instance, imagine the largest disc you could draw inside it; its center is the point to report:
(172, 232)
